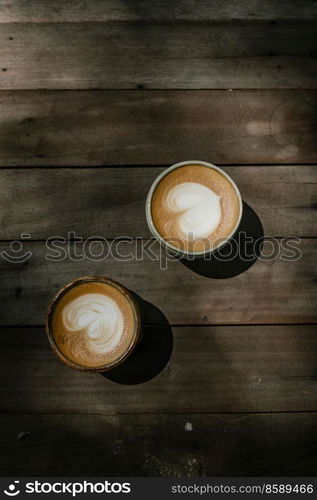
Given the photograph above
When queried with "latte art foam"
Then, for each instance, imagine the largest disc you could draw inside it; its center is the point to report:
(198, 207)
(99, 317)
(94, 323)
(194, 207)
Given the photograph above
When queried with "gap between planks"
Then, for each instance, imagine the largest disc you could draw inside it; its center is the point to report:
(147, 166)
(143, 413)
(184, 325)
(137, 238)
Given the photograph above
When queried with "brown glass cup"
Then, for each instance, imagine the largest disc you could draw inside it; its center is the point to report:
(136, 314)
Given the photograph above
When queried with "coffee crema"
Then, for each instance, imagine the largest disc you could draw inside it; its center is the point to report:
(195, 207)
(94, 324)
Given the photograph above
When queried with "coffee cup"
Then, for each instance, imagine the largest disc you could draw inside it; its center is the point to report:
(93, 324)
(193, 208)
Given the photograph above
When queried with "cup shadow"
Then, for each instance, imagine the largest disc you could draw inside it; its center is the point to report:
(153, 351)
(236, 256)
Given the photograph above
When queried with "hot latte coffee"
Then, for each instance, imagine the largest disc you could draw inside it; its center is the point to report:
(195, 207)
(93, 323)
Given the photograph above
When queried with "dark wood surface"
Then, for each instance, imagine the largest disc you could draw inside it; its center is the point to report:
(110, 202)
(225, 381)
(212, 369)
(18, 11)
(271, 291)
(156, 55)
(85, 128)
(268, 444)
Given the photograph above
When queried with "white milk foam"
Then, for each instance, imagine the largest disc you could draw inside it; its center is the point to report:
(101, 319)
(199, 208)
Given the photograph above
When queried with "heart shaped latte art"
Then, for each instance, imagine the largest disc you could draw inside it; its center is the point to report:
(199, 209)
(99, 317)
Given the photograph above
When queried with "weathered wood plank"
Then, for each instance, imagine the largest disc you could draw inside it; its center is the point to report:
(211, 369)
(158, 55)
(159, 445)
(154, 128)
(284, 197)
(274, 290)
(160, 10)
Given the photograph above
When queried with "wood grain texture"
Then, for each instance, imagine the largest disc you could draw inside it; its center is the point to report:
(237, 397)
(271, 291)
(159, 445)
(158, 55)
(156, 127)
(211, 369)
(96, 201)
(160, 10)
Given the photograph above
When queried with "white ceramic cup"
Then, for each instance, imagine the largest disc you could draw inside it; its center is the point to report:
(168, 245)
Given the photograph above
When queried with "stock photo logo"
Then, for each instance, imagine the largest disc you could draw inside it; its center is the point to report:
(16, 254)
(69, 488)
(126, 249)
(12, 490)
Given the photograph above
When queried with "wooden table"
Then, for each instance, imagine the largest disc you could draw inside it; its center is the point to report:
(96, 99)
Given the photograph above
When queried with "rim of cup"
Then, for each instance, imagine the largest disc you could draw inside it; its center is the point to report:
(148, 210)
(54, 302)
